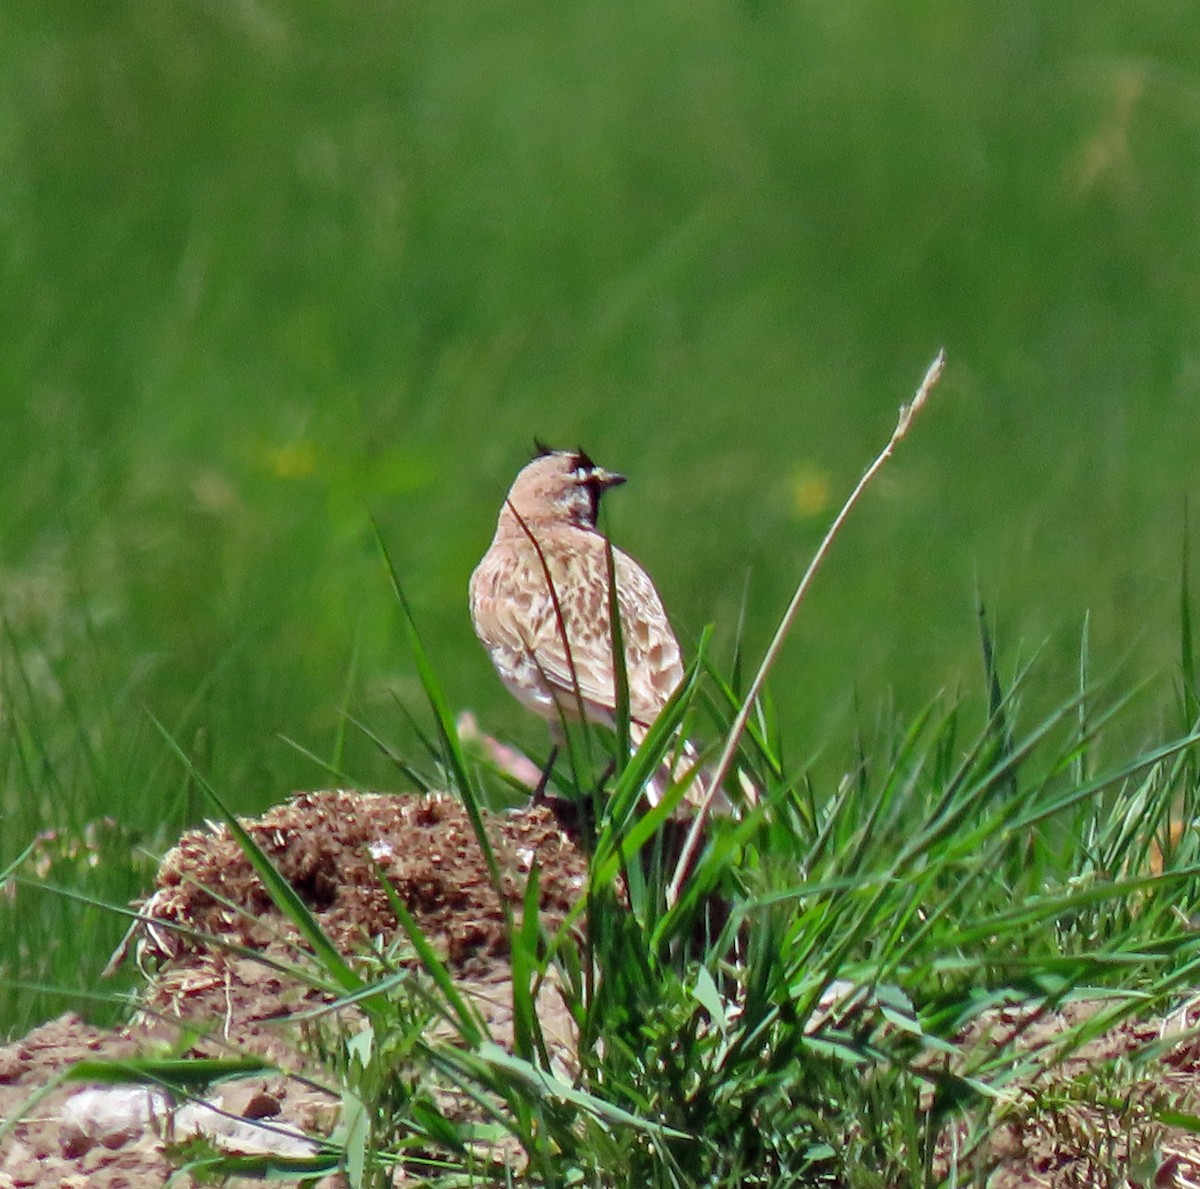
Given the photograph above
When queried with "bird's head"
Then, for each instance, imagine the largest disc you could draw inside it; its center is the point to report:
(559, 487)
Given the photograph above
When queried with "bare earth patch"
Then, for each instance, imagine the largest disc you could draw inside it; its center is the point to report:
(329, 846)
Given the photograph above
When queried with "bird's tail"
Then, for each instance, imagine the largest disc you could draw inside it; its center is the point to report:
(683, 764)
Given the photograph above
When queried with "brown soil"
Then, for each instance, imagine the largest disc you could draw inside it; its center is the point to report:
(331, 847)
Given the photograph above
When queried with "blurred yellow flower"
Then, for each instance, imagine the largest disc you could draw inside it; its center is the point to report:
(296, 460)
(809, 491)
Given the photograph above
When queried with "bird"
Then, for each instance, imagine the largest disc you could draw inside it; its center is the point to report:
(539, 602)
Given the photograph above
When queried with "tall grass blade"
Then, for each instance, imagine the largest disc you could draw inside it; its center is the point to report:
(343, 778)
(733, 738)
(492, 1060)
(419, 780)
(11, 869)
(452, 752)
(561, 623)
(182, 1073)
(643, 765)
(527, 1036)
(1187, 652)
(620, 674)
(466, 1020)
(998, 726)
(337, 758)
(296, 1170)
(1079, 763)
(454, 757)
(281, 892)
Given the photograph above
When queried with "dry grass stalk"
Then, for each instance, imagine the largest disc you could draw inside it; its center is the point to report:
(907, 414)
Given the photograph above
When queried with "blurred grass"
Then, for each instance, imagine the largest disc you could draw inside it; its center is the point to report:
(267, 270)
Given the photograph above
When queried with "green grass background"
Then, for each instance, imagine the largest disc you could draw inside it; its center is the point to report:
(269, 270)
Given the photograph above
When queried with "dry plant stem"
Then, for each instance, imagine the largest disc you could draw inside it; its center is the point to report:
(907, 413)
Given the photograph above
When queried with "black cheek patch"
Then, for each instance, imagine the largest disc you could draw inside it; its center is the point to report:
(595, 490)
(582, 460)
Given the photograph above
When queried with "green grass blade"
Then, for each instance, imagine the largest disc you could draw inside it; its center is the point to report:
(343, 778)
(338, 755)
(466, 1020)
(10, 870)
(190, 1073)
(419, 781)
(495, 1060)
(281, 892)
(620, 675)
(998, 725)
(454, 757)
(295, 1170)
(527, 1034)
(1187, 652)
(1079, 761)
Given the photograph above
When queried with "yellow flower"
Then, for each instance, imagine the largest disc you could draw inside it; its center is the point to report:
(809, 491)
(296, 460)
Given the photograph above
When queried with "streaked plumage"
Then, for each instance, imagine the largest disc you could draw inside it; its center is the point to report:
(546, 540)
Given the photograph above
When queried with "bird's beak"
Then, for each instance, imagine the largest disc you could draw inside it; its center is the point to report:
(605, 479)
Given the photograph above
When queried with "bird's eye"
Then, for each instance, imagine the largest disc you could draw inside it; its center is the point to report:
(581, 461)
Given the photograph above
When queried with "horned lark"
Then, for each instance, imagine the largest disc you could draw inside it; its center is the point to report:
(540, 602)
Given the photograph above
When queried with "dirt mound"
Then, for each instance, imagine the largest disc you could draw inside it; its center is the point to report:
(333, 848)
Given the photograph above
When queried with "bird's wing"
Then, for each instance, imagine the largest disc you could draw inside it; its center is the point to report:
(520, 623)
(518, 620)
(653, 663)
